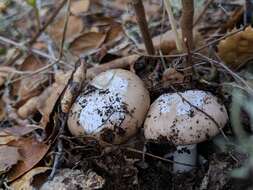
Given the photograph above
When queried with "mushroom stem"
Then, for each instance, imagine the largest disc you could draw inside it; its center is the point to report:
(186, 154)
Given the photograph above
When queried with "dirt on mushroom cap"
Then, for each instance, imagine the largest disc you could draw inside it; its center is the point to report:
(178, 118)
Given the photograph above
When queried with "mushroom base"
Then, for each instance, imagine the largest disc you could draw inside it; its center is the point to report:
(186, 154)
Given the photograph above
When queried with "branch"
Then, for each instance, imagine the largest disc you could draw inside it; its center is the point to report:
(187, 22)
(142, 22)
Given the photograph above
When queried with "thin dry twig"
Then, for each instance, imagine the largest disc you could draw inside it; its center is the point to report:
(65, 28)
(142, 22)
(158, 157)
(49, 21)
(200, 16)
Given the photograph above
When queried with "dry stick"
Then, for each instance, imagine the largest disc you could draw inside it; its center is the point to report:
(158, 157)
(58, 156)
(50, 20)
(142, 22)
(200, 16)
(65, 29)
(173, 24)
(187, 21)
(196, 50)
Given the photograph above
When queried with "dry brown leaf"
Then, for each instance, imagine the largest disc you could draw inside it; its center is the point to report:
(2, 111)
(172, 76)
(49, 98)
(62, 77)
(31, 153)
(87, 42)
(25, 182)
(17, 131)
(32, 85)
(5, 138)
(28, 108)
(115, 31)
(79, 6)
(123, 62)
(238, 48)
(165, 41)
(9, 156)
(74, 28)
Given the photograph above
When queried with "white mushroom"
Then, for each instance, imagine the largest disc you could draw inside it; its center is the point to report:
(177, 118)
(112, 108)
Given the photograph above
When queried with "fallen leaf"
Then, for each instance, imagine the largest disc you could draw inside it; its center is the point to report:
(49, 98)
(17, 131)
(9, 156)
(31, 153)
(79, 6)
(28, 108)
(2, 111)
(123, 62)
(165, 42)
(172, 76)
(5, 138)
(32, 85)
(25, 182)
(74, 28)
(237, 49)
(87, 42)
(114, 32)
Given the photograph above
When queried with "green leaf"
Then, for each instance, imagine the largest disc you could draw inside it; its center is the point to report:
(31, 3)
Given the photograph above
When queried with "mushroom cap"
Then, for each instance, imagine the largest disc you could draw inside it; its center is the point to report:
(112, 108)
(173, 119)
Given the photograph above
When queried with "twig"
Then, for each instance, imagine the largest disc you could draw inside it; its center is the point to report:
(65, 28)
(158, 157)
(58, 156)
(200, 16)
(22, 47)
(173, 25)
(233, 74)
(143, 25)
(43, 28)
(187, 21)
(206, 114)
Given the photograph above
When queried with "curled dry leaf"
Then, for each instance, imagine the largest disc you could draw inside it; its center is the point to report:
(74, 87)
(122, 63)
(74, 28)
(79, 6)
(9, 156)
(165, 42)
(50, 96)
(45, 102)
(32, 85)
(172, 76)
(17, 131)
(31, 153)
(87, 42)
(238, 48)
(28, 108)
(25, 182)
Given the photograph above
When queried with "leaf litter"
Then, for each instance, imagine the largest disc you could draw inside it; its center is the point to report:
(37, 90)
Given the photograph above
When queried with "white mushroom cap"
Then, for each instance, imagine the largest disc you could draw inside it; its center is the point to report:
(112, 108)
(173, 119)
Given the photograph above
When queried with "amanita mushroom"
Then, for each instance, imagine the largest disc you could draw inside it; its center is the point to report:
(176, 117)
(112, 107)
